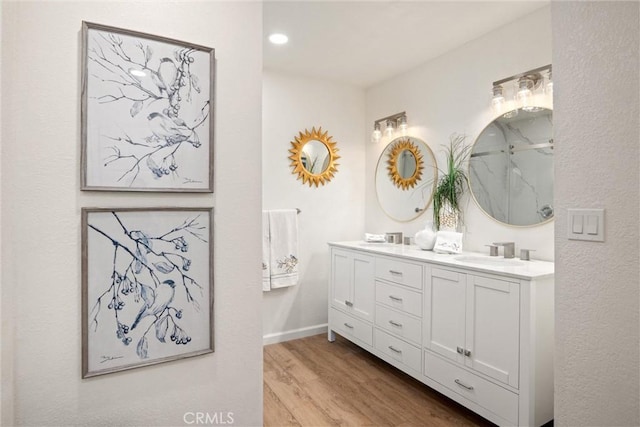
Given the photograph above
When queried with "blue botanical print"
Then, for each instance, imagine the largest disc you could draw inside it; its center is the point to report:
(147, 271)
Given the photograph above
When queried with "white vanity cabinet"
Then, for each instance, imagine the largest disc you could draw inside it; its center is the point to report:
(472, 337)
(474, 321)
(480, 334)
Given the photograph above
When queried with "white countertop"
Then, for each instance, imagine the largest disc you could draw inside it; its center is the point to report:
(475, 261)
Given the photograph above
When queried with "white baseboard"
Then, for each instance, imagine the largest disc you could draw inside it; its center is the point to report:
(294, 334)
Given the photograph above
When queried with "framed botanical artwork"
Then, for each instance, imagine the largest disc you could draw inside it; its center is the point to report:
(147, 286)
(147, 112)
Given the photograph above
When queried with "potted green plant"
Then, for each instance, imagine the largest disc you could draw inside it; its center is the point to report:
(451, 184)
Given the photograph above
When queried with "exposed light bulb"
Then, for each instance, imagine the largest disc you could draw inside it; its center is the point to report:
(524, 95)
(498, 102)
(389, 129)
(377, 134)
(403, 125)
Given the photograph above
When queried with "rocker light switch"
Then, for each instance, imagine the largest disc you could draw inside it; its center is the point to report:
(592, 224)
(577, 221)
(586, 224)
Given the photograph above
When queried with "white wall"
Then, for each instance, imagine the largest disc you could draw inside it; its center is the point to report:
(331, 212)
(596, 63)
(452, 93)
(4, 386)
(41, 205)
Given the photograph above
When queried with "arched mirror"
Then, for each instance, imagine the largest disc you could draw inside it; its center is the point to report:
(405, 178)
(313, 156)
(511, 168)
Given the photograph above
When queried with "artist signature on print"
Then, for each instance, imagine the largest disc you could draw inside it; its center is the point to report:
(109, 358)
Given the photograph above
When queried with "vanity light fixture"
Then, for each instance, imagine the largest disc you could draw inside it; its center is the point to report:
(525, 89)
(391, 123)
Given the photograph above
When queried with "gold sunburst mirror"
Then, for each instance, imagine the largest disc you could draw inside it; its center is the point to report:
(405, 164)
(313, 156)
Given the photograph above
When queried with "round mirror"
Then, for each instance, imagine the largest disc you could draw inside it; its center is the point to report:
(405, 178)
(313, 156)
(511, 168)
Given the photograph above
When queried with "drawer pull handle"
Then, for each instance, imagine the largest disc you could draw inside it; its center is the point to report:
(399, 325)
(395, 272)
(460, 350)
(467, 353)
(395, 298)
(463, 385)
(348, 303)
(395, 350)
(348, 325)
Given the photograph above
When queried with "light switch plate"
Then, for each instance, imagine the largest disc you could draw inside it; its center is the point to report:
(586, 224)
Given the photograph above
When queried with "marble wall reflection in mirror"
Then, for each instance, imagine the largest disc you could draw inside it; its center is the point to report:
(405, 178)
(511, 168)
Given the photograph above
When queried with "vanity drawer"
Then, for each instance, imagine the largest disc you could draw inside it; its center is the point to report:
(404, 273)
(350, 327)
(399, 350)
(399, 324)
(492, 397)
(400, 298)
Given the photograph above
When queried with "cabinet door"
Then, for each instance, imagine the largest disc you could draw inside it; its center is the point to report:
(363, 268)
(353, 283)
(445, 313)
(493, 316)
(341, 278)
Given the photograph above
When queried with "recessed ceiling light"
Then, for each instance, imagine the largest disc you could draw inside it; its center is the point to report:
(278, 38)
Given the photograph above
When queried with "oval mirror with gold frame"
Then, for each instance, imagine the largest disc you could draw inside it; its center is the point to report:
(313, 156)
(405, 164)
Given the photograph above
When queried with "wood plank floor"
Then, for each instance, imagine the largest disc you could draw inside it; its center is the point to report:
(312, 382)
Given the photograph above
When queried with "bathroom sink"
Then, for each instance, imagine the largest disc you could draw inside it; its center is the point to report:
(492, 261)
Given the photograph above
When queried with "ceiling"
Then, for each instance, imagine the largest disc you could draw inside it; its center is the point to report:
(365, 43)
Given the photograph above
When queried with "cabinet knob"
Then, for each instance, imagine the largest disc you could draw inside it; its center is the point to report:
(395, 298)
(348, 325)
(399, 325)
(467, 353)
(460, 350)
(348, 303)
(395, 272)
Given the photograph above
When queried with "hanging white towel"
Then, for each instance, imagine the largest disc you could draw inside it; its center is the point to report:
(283, 248)
(266, 253)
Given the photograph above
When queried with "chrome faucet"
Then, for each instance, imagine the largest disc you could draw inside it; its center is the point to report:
(509, 249)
